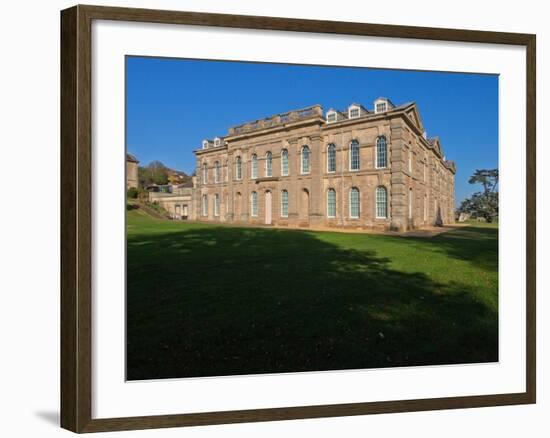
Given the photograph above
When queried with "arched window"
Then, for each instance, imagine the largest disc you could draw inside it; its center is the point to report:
(354, 155)
(284, 203)
(268, 164)
(204, 173)
(331, 203)
(331, 158)
(354, 203)
(217, 171)
(204, 205)
(254, 204)
(238, 168)
(216, 205)
(254, 166)
(305, 159)
(381, 153)
(381, 202)
(284, 162)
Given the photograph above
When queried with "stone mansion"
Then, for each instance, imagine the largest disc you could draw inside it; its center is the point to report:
(358, 168)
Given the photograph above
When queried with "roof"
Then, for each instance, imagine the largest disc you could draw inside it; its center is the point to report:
(131, 158)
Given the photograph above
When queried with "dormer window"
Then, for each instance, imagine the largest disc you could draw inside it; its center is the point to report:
(205, 144)
(217, 141)
(381, 107)
(382, 104)
(331, 117)
(354, 112)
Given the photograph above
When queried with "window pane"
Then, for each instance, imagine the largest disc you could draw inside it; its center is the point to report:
(254, 204)
(284, 203)
(305, 159)
(268, 164)
(331, 203)
(254, 167)
(381, 202)
(381, 152)
(238, 169)
(354, 202)
(354, 155)
(284, 162)
(331, 159)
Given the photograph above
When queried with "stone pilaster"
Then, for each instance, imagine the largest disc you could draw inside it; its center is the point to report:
(399, 193)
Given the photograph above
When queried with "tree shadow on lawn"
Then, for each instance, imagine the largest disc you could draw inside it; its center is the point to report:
(230, 301)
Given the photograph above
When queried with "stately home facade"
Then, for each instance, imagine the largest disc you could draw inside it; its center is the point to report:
(357, 168)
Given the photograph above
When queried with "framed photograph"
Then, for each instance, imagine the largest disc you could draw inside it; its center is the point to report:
(269, 218)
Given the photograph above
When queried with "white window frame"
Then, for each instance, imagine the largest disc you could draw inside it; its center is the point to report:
(383, 103)
(376, 215)
(351, 190)
(217, 205)
(205, 144)
(304, 147)
(354, 142)
(283, 214)
(331, 190)
(376, 166)
(332, 113)
(328, 158)
(238, 168)
(268, 164)
(205, 173)
(204, 205)
(217, 172)
(253, 166)
(254, 204)
(353, 108)
(283, 161)
(217, 141)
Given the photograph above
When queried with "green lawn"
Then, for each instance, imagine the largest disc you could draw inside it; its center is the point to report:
(206, 300)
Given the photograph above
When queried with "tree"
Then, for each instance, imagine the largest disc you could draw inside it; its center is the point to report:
(483, 204)
(154, 173)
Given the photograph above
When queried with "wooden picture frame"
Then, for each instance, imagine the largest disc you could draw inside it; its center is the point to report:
(76, 218)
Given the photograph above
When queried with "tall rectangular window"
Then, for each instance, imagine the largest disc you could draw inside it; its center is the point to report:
(254, 166)
(205, 173)
(331, 158)
(204, 205)
(381, 203)
(354, 155)
(269, 164)
(254, 204)
(216, 205)
(284, 203)
(284, 162)
(331, 203)
(238, 168)
(354, 203)
(305, 159)
(217, 172)
(381, 153)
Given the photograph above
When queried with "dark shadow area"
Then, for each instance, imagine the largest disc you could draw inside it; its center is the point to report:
(51, 417)
(229, 301)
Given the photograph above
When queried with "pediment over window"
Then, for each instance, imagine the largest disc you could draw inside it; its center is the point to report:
(414, 115)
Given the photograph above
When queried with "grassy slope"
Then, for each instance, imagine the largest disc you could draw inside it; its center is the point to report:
(210, 300)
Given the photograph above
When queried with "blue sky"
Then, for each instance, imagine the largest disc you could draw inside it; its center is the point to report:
(172, 104)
